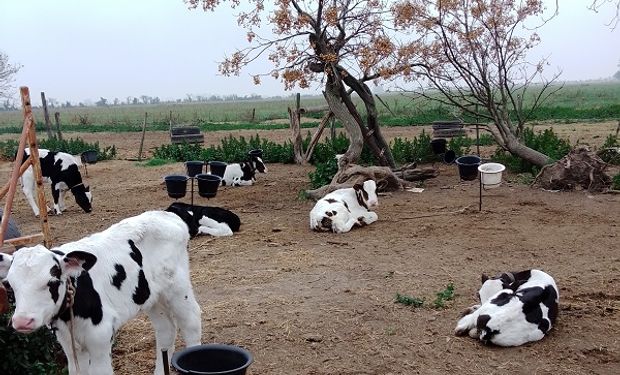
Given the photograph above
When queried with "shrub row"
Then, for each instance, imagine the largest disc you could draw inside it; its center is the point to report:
(73, 146)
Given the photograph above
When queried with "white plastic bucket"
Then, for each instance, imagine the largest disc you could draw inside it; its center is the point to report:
(491, 174)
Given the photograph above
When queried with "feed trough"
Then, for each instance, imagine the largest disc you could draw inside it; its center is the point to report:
(491, 174)
(217, 168)
(212, 359)
(176, 185)
(194, 167)
(468, 167)
(208, 184)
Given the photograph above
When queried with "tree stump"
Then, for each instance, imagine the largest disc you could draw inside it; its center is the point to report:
(580, 169)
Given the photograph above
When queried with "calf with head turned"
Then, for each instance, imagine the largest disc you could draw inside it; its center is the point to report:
(516, 308)
(62, 170)
(215, 221)
(244, 173)
(138, 264)
(341, 210)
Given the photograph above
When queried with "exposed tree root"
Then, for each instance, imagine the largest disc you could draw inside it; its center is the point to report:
(387, 180)
(580, 169)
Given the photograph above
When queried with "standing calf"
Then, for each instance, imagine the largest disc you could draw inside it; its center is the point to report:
(215, 221)
(341, 210)
(138, 264)
(62, 170)
(516, 308)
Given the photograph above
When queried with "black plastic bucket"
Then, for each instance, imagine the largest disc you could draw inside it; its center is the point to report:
(89, 156)
(468, 167)
(438, 145)
(176, 185)
(194, 167)
(208, 184)
(212, 359)
(449, 157)
(217, 168)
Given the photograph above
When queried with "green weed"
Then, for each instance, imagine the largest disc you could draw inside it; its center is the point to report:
(409, 300)
(443, 296)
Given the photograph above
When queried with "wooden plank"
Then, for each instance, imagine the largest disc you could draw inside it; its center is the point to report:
(9, 245)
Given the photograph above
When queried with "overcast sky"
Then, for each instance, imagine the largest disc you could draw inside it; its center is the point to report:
(80, 50)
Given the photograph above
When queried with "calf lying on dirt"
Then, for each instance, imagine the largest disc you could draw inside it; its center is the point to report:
(215, 221)
(341, 210)
(244, 173)
(516, 308)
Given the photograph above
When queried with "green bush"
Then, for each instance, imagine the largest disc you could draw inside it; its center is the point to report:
(615, 182)
(546, 142)
(323, 173)
(32, 354)
(71, 146)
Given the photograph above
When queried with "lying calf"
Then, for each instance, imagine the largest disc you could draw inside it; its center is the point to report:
(516, 308)
(215, 221)
(244, 173)
(341, 210)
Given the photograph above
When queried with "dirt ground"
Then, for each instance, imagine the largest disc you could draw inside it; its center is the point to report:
(319, 303)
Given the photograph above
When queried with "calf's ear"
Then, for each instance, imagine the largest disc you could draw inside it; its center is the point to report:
(5, 264)
(77, 261)
(358, 187)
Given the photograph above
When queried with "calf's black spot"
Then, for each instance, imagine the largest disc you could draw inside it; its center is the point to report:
(326, 222)
(87, 302)
(119, 276)
(135, 254)
(330, 200)
(53, 286)
(502, 299)
(142, 291)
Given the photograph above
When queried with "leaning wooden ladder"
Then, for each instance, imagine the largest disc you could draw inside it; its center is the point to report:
(28, 135)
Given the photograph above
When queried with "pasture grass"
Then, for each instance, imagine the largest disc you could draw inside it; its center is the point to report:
(574, 102)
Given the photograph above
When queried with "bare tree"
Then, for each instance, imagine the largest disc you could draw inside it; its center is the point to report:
(473, 55)
(341, 45)
(7, 72)
(597, 5)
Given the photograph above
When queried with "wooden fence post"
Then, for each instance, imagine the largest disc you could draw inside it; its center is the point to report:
(142, 140)
(57, 118)
(46, 115)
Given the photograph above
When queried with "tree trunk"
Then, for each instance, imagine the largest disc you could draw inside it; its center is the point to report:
(298, 152)
(517, 148)
(342, 113)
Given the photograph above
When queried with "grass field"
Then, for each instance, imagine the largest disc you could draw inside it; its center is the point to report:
(587, 101)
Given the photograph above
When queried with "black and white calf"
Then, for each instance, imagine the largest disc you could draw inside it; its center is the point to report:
(244, 173)
(516, 308)
(215, 221)
(138, 264)
(63, 171)
(341, 210)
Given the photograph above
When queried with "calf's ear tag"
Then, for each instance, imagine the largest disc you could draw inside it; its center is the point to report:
(4, 300)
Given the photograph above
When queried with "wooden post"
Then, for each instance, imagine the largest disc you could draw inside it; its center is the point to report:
(46, 115)
(57, 118)
(36, 166)
(298, 107)
(142, 139)
(298, 152)
(28, 134)
(253, 114)
(315, 138)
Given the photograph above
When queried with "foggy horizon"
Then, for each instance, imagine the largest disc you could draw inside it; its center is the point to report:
(78, 52)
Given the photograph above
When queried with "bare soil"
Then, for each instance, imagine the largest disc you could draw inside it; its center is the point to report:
(320, 303)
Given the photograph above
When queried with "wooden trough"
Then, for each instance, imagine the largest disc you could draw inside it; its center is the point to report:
(448, 129)
(186, 134)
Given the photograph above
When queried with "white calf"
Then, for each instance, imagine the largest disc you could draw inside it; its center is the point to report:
(341, 210)
(138, 264)
(61, 169)
(244, 173)
(516, 308)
